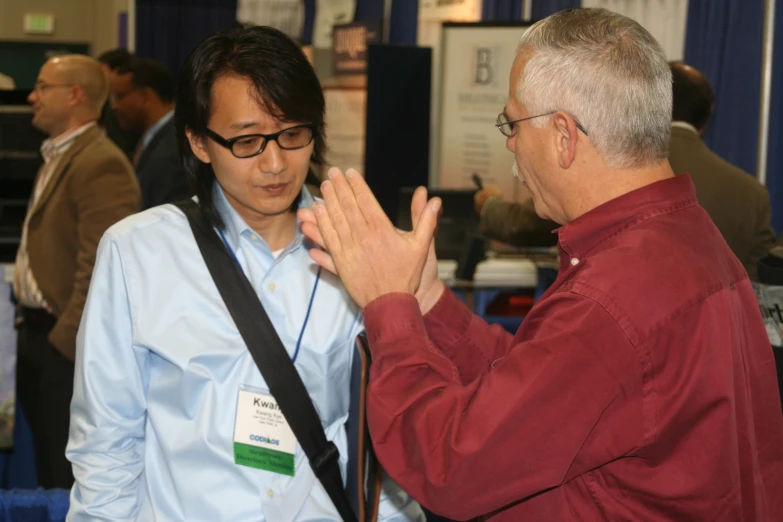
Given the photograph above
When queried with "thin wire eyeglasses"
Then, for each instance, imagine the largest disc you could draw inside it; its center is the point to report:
(507, 127)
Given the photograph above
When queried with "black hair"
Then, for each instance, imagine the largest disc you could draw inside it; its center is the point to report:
(152, 74)
(692, 96)
(284, 81)
(116, 58)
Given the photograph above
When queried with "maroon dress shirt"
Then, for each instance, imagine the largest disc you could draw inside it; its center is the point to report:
(641, 386)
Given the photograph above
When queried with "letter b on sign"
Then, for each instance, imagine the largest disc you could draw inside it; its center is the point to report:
(484, 73)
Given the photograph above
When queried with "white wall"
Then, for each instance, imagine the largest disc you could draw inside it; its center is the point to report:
(91, 21)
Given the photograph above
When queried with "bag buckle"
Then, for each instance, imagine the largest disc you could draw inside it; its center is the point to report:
(324, 461)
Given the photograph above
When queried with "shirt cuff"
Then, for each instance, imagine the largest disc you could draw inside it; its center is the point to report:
(448, 320)
(389, 313)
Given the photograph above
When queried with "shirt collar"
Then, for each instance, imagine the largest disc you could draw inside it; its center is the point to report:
(53, 147)
(146, 138)
(685, 125)
(235, 226)
(581, 235)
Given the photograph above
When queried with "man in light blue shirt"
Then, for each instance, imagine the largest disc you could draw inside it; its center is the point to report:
(160, 364)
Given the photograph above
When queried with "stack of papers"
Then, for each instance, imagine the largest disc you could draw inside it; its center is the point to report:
(512, 273)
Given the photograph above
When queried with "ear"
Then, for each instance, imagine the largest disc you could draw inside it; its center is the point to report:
(198, 146)
(566, 136)
(146, 94)
(76, 95)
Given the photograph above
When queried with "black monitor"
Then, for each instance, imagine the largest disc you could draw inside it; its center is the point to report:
(458, 228)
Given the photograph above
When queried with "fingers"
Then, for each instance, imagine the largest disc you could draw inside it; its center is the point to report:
(368, 205)
(312, 231)
(428, 220)
(337, 192)
(323, 259)
(329, 235)
(306, 215)
(418, 203)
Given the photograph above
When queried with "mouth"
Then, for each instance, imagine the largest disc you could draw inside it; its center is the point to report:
(275, 189)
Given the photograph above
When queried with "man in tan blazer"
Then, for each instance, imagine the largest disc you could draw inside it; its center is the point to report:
(85, 185)
(735, 200)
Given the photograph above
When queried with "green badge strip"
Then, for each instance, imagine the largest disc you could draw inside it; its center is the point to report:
(262, 458)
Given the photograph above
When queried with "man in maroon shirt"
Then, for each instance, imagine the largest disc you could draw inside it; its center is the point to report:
(641, 386)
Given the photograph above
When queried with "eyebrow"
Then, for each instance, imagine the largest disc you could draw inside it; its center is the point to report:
(242, 125)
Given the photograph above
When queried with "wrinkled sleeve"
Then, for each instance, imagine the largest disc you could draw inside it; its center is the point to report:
(556, 405)
(454, 330)
(108, 410)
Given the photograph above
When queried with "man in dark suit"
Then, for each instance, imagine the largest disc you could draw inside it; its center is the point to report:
(84, 186)
(144, 102)
(735, 200)
(112, 61)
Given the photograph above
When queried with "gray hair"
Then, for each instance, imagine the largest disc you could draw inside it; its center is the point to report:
(610, 74)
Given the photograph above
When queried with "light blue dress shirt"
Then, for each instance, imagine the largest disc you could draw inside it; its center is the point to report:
(159, 365)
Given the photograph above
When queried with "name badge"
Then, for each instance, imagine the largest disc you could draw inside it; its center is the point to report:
(262, 437)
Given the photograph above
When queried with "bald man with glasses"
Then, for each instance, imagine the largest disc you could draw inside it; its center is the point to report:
(84, 186)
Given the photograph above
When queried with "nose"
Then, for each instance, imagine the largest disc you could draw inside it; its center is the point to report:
(511, 142)
(32, 97)
(272, 160)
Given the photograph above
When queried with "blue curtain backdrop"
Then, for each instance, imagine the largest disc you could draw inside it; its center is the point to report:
(309, 21)
(404, 22)
(774, 159)
(723, 40)
(369, 10)
(167, 30)
(499, 10)
(543, 8)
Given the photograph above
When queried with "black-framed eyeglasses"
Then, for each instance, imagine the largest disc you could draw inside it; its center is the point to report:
(507, 127)
(250, 145)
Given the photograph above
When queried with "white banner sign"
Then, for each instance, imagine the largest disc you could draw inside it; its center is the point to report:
(346, 117)
(476, 65)
(285, 15)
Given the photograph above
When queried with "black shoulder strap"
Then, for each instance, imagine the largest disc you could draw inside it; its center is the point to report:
(270, 356)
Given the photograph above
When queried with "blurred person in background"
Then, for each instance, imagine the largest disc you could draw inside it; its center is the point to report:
(143, 101)
(112, 61)
(511, 222)
(85, 185)
(737, 203)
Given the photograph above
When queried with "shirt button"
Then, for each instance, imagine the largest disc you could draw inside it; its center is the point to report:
(574, 261)
(254, 237)
(272, 287)
(270, 494)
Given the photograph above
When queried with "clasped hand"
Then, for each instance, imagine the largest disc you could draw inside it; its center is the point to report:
(365, 250)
